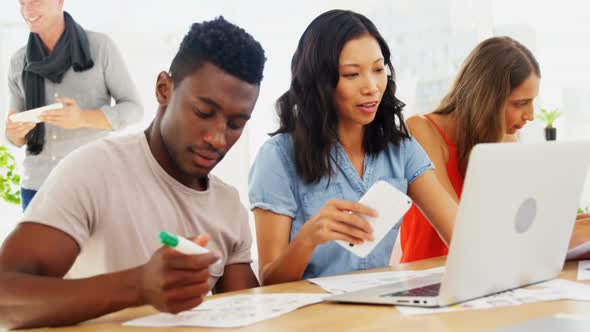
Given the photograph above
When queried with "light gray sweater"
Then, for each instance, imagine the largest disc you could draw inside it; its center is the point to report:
(95, 88)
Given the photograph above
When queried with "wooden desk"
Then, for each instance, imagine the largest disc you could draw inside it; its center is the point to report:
(353, 318)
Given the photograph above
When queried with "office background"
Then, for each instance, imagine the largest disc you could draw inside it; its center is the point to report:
(429, 39)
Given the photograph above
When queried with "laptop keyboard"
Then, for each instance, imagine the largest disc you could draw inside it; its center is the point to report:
(430, 290)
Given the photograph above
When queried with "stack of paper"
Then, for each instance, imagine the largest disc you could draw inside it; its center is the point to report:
(584, 270)
(232, 311)
(556, 289)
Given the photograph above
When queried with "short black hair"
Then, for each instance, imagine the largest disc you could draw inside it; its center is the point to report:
(223, 44)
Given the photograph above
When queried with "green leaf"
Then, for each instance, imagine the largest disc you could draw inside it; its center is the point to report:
(9, 179)
(548, 116)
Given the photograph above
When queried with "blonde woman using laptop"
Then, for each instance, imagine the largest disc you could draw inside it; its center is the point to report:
(490, 101)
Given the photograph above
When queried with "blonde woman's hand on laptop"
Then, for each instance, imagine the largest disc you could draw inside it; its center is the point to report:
(583, 217)
(338, 220)
(581, 233)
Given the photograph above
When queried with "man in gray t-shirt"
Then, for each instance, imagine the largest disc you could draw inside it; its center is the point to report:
(98, 216)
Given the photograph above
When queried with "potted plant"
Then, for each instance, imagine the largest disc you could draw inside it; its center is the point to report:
(549, 117)
(9, 179)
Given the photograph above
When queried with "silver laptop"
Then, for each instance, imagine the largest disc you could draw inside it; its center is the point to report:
(513, 225)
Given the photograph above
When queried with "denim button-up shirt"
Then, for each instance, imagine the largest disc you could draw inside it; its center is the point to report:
(275, 186)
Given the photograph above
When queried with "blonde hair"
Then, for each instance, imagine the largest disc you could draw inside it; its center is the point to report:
(490, 73)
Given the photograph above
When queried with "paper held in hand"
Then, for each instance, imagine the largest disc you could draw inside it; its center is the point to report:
(390, 204)
(33, 115)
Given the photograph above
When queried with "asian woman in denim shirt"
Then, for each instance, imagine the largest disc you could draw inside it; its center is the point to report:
(341, 130)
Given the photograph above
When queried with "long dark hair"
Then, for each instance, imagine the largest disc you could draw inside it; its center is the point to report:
(494, 68)
(307, 109)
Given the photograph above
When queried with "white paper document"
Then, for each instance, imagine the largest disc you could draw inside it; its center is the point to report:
(391, 204)
(556, 289)
(354, 282)
(584, 270)
(33, 115)
(232, 311)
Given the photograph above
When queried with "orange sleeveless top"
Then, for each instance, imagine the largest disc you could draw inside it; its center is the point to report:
(419, 240)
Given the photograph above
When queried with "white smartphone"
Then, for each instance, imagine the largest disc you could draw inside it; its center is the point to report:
(390, 204)
(33, 115)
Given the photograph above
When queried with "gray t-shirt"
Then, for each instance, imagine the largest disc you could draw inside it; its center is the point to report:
(113, 198)
(92, 89)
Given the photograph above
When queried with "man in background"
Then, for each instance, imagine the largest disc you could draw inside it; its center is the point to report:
(63, 63)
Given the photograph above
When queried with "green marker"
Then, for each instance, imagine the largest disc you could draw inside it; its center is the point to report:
(183, 245)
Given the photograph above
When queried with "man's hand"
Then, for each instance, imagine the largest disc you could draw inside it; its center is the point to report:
(173, 282)
(69, 117)
(16, 131)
